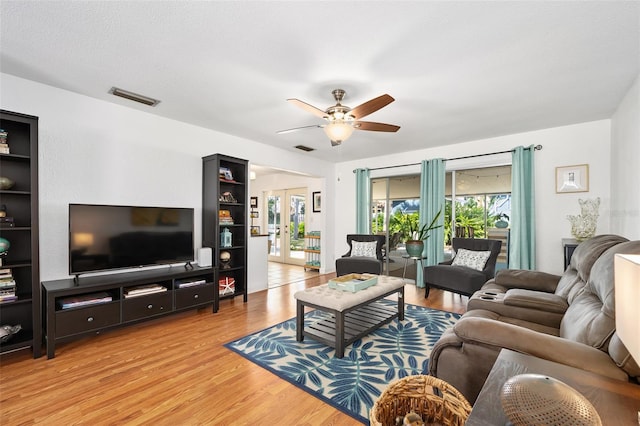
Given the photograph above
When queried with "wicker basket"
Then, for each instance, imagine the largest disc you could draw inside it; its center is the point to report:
(435, 400)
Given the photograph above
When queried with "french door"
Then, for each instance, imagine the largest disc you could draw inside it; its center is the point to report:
(286, 224)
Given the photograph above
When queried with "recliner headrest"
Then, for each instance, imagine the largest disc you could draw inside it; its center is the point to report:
(587, 252)
(601, 282)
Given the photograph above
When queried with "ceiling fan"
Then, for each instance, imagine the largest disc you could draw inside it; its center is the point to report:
(342, 120)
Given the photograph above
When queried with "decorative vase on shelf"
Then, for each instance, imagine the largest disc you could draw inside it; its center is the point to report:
(583, 226)
(6, 183)
(4, 245)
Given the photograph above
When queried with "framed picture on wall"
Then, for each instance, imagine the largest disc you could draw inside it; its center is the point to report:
(572, 178)
(254, 215)
(255, 230)
(316, 202)
(253, 202)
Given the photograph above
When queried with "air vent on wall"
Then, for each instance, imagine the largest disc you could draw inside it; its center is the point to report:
(305, 148)
(134, 97)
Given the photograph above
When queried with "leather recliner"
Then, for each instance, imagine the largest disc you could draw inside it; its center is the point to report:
(584, 338)
(538, 297)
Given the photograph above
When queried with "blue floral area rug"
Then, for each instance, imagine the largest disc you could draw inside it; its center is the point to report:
(353, 383)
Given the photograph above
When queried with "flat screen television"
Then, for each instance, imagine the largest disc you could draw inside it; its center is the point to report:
(105, 237)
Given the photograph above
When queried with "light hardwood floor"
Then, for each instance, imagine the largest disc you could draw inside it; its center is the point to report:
(173, 371)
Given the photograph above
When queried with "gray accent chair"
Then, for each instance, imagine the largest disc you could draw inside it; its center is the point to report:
(348, 264)
(460, 279)
(584, 338)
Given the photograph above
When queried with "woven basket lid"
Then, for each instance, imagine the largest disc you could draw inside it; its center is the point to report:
(537, 399)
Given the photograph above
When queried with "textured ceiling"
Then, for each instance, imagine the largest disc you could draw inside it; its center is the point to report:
(459, 71)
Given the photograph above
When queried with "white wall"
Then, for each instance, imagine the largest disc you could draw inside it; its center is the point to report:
(586, 143)
(97, 152)
(93, 151)
(625, 159)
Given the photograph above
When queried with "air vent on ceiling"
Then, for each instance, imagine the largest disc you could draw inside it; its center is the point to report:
(305, 148)
(134, 97)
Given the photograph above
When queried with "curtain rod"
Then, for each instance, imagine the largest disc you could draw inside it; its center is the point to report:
(535, 148)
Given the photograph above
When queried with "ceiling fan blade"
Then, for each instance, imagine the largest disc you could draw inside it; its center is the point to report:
(280, 132)
(376, 127)
(307, 107)
(371, 106)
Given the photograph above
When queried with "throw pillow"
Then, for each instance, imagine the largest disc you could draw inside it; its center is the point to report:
(471, 259)
(364, 249)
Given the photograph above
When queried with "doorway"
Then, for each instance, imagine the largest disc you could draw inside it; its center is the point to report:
(285, 224)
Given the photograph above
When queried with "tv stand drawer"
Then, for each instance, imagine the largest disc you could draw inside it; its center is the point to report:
(193, 296)
(80, 320)
(136, 308)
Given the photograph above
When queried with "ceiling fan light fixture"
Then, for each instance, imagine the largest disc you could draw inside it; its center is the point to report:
(338, 131)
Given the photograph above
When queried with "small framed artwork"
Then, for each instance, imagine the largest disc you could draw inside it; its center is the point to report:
(255, 230)
(253, 202)
(572, 178)
(316, 202)
(254, 215)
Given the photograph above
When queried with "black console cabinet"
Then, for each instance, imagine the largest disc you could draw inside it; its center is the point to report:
(64, 324)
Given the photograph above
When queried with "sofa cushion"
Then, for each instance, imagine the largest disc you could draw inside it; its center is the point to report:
(364, 249)
(471, 259)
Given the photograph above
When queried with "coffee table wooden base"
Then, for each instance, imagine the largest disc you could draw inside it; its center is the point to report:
(342, 328)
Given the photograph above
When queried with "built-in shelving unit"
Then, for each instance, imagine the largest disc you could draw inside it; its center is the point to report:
(19, 226)
(312, 250)
(224, 220)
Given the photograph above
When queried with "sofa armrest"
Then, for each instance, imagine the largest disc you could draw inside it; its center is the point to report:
(538, 300)
(486, 332)
(525, 279)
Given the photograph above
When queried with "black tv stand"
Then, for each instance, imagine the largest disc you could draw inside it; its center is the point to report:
(186, 289)
(188, 265)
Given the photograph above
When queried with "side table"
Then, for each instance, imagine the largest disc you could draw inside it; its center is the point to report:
(416, 259)
(616, 402)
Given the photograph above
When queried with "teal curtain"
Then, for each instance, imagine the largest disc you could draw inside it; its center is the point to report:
(432, 176)
(363, 196)
(522, 247)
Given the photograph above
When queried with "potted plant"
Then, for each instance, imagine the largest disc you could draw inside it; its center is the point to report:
(502, 220)
(419, 234)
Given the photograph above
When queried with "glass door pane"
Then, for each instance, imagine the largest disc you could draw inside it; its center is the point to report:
(285, 224)
(273, 225)
(297, 207)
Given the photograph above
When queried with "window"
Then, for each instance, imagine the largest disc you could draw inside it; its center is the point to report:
(482, 203)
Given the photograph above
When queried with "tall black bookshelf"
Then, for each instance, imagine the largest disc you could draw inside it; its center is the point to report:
(19, 226)
(224, 212)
